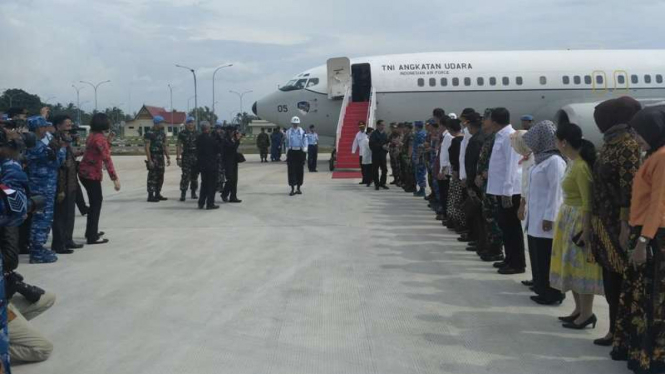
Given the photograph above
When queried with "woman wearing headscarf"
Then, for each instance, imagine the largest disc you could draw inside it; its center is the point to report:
(544, 199)
(517, 142)
(613, 175)
(454, 212)
(639, 337)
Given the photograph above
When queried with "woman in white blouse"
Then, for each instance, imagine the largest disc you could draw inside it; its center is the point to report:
(517, 142)
(543, 202)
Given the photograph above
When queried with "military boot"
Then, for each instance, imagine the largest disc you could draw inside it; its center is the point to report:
(152, 198)
(159, 197)
(183, 195)
(42, 256)
(194, 196)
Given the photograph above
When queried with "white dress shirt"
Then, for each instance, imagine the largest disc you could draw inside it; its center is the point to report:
(356, 142)
(365, 151)
(297, 139)
(545, 195)
(462, 156)
(444, 155)
(505, 175)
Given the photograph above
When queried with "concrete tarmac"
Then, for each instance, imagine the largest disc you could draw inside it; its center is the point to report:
(342, 279)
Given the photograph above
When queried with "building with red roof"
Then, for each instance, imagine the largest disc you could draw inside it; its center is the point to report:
(173, 121)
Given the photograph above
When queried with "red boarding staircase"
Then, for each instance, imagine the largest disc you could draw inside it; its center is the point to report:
(348, 164)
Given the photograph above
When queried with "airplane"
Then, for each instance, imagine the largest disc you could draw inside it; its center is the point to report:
(562, 86)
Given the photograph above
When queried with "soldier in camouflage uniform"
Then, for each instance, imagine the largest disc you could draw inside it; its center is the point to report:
(186, 157)
(418, 159)
(156, 149)
(493, 249)
(219, 138)
(408, 182)
(44, 161)
(395, 139)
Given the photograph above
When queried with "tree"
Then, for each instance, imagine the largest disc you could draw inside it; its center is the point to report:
(18, 98)
(243, 120)
(205, 114)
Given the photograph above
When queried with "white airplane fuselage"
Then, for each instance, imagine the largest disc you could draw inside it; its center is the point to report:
(554, 85)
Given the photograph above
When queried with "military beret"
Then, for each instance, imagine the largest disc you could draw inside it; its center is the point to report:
(157, 119)
(36, 122)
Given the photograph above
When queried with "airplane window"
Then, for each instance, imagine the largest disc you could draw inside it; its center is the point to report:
(647, 78)
(467, 81)
(444, 82)
(455, 82)
(505, 81)
(621, 79)
(300, 84)
(634, 79)
(312, 82)
(421, 82)
(577, 79)
(519, 81)
(566, 79)
(543, 80)
(290, 86)
(492, 81)
(432, 82)
(587, 79)
(659, 78)
(481, 81)
(599, 79)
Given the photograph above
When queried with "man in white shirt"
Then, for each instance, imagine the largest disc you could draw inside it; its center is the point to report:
(444, 168)
(295, 156)
(505, 183)
(355, 147)
(313, 149)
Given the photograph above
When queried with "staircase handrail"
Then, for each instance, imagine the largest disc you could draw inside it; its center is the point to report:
(342, 115)
(371, 113)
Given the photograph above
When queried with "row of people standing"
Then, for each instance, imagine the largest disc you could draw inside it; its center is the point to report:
(594, 222)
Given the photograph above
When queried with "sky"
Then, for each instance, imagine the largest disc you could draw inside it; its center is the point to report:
(51, 44)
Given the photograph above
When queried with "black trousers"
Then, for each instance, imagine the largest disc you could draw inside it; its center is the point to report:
(9, 246)
(379, 163)
(513, 235)
(362, 169)
(208, 187)
(612, 283)
(95, 199)
(312, 156)
(80, 200)
(444, 186)
(367, 173)
(24, 235)
(63, 222)
(231, 185)
(542, 252)
(296, 167)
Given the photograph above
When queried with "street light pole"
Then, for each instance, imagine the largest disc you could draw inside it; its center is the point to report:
(95, 86)
(241, 95)
(171, 91)
(189, 101)
(196, 104)
(78, 103)
(213, 86)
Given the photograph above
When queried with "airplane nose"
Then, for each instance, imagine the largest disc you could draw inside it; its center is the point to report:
(254, 109)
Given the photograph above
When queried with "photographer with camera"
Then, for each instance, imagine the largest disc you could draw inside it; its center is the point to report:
(43, 160)
(231, 158)
(27, 343)
(65, 205)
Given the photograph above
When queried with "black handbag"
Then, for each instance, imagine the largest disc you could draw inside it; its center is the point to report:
(240, 157)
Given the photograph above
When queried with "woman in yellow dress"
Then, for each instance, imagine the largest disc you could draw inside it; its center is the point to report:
(573, 268)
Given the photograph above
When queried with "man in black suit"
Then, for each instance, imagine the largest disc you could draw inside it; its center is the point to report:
(378, 143)
(208, 150)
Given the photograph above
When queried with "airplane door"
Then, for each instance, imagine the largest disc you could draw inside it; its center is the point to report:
(599, 81)
(339, 76)
(621, 81)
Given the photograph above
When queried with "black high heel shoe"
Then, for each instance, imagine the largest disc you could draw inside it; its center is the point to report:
(569, 318)
(591, 321)
(604, 342)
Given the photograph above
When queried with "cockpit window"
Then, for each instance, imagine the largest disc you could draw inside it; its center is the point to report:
(295, 84)
(312, 82)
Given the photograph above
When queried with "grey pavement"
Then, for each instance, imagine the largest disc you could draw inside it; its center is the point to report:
(342, 279)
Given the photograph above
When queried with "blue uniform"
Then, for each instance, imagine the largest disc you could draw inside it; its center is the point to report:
(13, 210)
(43, 164)
(418, 158)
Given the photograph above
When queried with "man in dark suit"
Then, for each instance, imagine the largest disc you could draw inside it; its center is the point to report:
(208, 150)
(378, 143)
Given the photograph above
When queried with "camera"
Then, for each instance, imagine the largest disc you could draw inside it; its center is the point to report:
(14, 284)
(36, 203)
